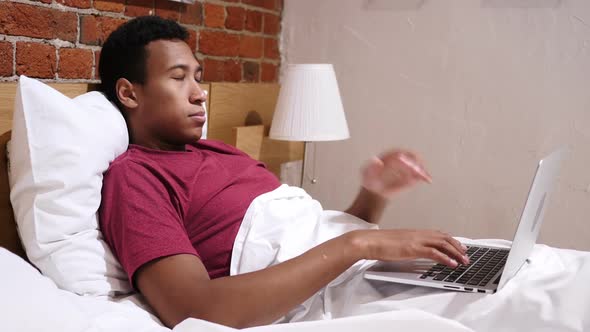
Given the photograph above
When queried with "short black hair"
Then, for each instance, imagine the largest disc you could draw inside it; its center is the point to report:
(123, 54)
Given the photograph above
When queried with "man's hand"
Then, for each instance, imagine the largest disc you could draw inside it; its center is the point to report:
(384, 176)
(400, 244)
(392, 172)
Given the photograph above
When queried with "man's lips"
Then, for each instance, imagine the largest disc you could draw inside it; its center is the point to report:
(198, 116)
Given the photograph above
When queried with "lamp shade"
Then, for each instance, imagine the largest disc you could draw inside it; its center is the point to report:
(309, 107)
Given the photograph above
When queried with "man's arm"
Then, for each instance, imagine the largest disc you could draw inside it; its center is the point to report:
(178, 287)
(382, 177)
(367, 206)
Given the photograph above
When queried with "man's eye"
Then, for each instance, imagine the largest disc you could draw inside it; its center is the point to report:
(198, 79)
(179, 78)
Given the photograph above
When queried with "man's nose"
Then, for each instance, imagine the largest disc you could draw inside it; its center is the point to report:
(198, 95)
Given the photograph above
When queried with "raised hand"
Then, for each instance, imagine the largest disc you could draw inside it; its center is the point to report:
(392, 172)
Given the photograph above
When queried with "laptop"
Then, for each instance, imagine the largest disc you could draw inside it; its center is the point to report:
(490, 267)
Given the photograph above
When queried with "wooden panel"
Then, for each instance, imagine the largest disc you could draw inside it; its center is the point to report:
(249, 139)
(240, 104)
(8, 236)
(238, 111)
(255, 142)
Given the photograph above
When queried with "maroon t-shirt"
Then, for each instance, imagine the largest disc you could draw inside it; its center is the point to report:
(160, 203)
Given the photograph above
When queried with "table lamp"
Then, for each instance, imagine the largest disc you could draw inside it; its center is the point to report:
(309, 108)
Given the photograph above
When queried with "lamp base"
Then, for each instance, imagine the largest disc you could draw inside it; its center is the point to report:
(312, 179)
(291, 172)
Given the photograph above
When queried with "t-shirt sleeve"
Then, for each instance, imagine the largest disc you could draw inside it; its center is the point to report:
(138, 217)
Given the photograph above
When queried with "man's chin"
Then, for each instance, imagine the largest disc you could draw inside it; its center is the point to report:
(198, 134)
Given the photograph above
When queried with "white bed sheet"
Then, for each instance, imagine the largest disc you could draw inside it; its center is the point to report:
(30, 302)
(402, 320)
(552, 293)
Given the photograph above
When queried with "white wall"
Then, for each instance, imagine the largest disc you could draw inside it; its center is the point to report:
(479, 88)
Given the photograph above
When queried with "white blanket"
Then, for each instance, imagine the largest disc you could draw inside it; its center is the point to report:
(551, 293)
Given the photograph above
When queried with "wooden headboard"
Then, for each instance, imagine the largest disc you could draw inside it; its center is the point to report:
(239, 114)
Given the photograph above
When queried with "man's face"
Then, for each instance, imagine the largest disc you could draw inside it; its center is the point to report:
(170, 103)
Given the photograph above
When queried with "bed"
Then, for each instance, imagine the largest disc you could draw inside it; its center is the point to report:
(550, 294)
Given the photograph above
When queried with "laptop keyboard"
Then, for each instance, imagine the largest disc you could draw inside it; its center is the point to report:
(484, 264)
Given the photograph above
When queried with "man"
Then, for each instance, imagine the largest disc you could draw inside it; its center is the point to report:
(172, 205)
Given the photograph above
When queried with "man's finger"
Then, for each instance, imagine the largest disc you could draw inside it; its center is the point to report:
(416, 168)
(460, 246)
(438, 256)
(420, 163)
(449, 249)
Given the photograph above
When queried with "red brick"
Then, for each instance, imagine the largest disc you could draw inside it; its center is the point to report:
(74, 63)
(35, 60)
(214, 15)
(279, 5)
(222, 71)
(33, 21)
(191, 14)
(168, 9)
(139, 8)
(253, 21)
(268, 72)
(213, 70)
(235, 19)
(94, 30)
(96, 62)
(117, 6)
(272, 24)
(75, 3)
(89, 30)
(219, 43)
(266, 4)
(6, 59)
(271, 48)
(192, 40)
(251, 71)
(232, 71)
(232, 0)
(251, 46)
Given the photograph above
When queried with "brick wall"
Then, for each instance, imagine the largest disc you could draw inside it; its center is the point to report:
(59, 40)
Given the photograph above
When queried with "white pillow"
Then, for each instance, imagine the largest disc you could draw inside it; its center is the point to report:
(59, 149)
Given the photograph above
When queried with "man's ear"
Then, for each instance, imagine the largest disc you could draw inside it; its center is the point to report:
(126, 93)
